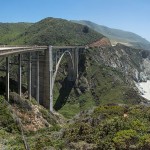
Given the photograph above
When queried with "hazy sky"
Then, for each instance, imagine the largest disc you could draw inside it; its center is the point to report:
(130, 15)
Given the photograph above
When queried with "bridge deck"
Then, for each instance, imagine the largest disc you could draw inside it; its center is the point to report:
(20, 49)
(9, 50)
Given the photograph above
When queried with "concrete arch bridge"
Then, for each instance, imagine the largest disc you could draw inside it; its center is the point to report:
(42, 67)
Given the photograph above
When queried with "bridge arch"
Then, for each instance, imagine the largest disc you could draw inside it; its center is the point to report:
(58, 64)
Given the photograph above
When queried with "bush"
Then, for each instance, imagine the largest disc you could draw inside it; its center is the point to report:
(124, 139)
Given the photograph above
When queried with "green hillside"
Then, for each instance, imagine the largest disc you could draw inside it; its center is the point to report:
(10, 31)
(110, 127)
(119, 127)
(51, 31)
(118, 36)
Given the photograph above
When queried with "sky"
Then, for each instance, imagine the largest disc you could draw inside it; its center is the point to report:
(128, 15)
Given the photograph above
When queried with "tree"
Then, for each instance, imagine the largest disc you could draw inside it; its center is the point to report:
(85, 29)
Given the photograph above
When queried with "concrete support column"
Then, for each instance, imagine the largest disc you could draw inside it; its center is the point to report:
(56, 60)
(29, 76)
(46, 79)
(73, 72)
(70, 66)
(37, 78)
(19, 74)
(7, 78)
(76, 62)
(51, 77)
(59, 54)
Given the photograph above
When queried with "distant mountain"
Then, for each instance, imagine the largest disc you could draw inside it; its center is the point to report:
(54, 31)
(118, 36)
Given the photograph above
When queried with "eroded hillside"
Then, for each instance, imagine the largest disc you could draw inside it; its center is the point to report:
(25, 123)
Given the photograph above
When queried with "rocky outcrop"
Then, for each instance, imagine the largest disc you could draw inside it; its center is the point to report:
(103, 42)
(83, 84)
(146, 68)
(129, 61)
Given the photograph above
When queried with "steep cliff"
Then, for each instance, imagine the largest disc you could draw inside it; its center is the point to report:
(106, 75)
(132, 62)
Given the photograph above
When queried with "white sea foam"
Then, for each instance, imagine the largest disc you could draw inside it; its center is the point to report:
(144, 88)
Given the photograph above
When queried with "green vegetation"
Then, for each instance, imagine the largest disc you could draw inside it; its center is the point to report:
(10, 135)
(116, 127)
(10, 31)
(112, 127)
(52, 31)
(49, 31)
(6, 120)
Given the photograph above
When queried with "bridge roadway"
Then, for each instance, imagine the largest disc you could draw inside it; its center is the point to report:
(9, 50)
(40, 70)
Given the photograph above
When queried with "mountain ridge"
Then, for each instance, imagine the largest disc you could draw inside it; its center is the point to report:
(50, 31)
(118, 36)
(9, 31)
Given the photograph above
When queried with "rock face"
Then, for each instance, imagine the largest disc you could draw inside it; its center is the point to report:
(129, 61)
(146, 68)
(101, 43)
(131, 66)
(83, 84)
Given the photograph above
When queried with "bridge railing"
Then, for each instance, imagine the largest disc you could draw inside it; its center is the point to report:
(14, 49)
(66, 47)
(21, 46)
(20, 49)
